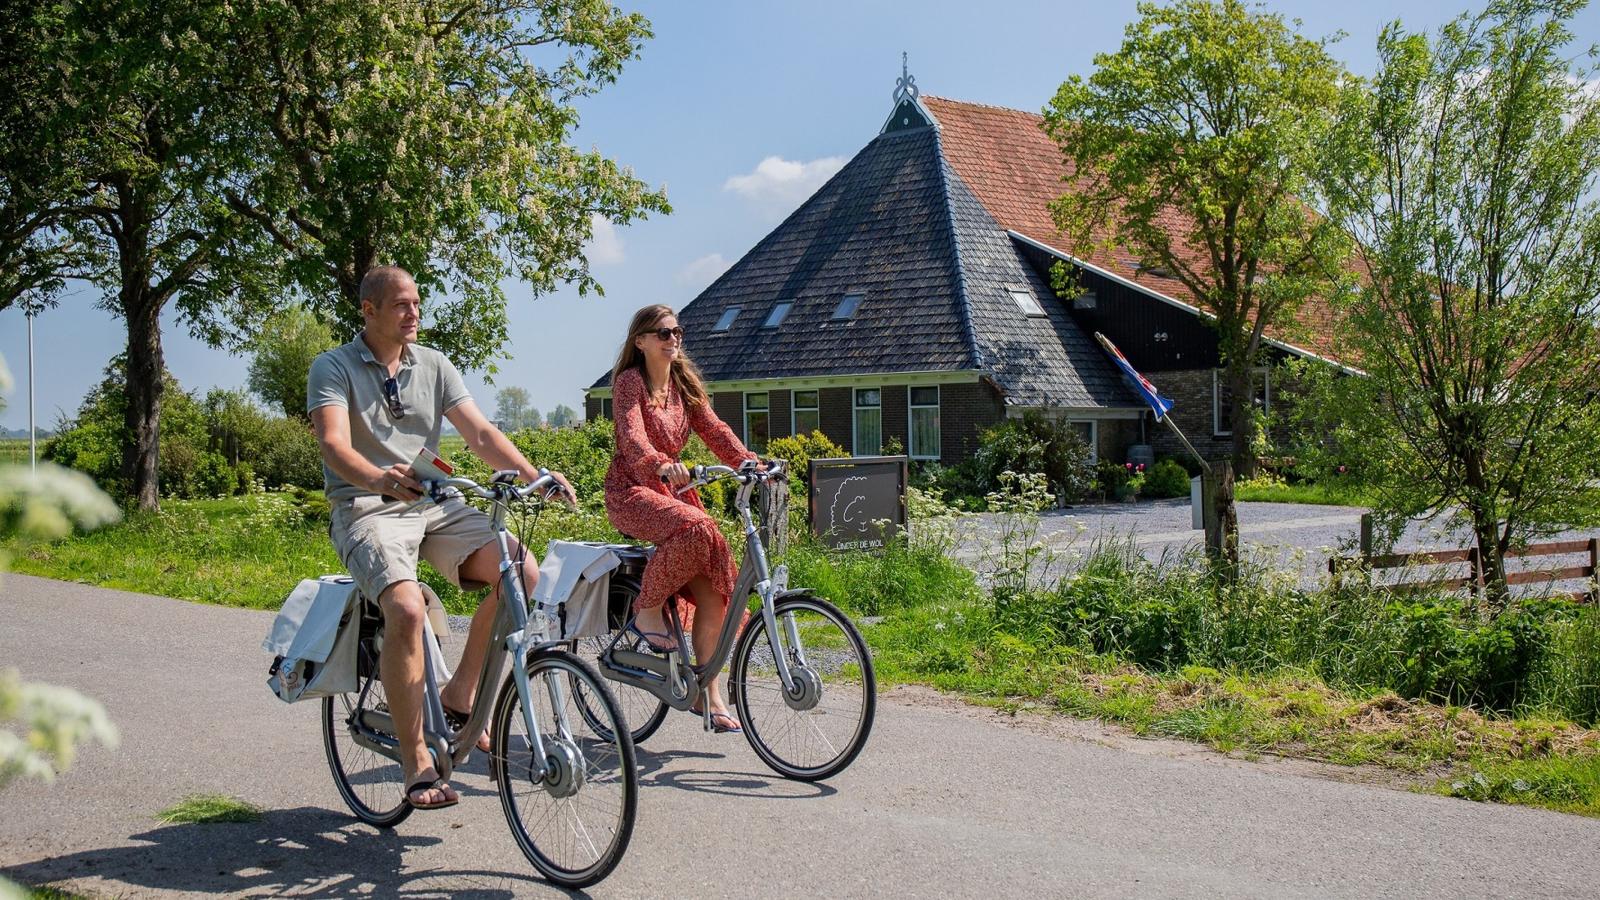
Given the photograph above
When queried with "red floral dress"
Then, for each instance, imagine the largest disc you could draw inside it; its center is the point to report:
(688, 542)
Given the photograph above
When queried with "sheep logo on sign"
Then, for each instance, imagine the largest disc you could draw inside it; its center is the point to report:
(852, 514)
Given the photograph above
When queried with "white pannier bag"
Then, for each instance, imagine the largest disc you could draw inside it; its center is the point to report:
(574, 587)
(315, 638)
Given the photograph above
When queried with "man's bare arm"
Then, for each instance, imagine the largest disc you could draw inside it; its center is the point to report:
(331, 423)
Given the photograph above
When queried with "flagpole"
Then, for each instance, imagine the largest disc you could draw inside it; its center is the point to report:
(1153, 399)
(33, 431)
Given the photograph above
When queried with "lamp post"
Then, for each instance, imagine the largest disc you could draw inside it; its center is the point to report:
(33, 433)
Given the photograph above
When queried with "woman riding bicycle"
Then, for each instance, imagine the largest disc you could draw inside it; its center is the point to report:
(658, 398)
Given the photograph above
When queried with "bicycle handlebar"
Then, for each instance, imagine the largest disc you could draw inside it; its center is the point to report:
(545, 487)
(747, 472)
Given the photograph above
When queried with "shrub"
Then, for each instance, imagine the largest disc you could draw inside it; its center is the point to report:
(798, 451)
(1166, 479)
(1031, 444)
(288, 456)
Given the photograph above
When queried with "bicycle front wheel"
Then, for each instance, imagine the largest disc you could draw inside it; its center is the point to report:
(817, 730)
(570, 809)
(372, 784)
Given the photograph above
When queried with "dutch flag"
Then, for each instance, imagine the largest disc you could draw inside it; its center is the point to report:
(1138, 382)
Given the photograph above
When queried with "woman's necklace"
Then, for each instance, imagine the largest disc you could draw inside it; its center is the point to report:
(658, 396)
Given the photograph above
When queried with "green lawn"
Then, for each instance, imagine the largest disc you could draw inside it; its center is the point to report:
(14, 451)
(1264, 490)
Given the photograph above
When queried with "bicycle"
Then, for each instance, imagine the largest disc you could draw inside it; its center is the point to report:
(543, 754)
(802, 678)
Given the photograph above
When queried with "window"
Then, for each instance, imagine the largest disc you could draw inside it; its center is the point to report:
(1222, 408)
(1087, 300)
(848, 305)
(778, 314)
(1086, 430)
(806, 417)
(924, 403)
(605, 408)
(755, 422)
(726, 322)
(1025, 302)
(868, 438)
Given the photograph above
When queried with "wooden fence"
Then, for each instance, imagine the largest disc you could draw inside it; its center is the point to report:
(1423, 561)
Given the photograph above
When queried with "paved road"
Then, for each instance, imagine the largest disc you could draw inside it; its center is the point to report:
(947, 801)
(1294, 536)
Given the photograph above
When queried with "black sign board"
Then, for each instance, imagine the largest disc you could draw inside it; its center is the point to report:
(851, 498)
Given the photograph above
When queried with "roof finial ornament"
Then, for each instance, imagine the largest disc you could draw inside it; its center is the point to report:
(905, 88)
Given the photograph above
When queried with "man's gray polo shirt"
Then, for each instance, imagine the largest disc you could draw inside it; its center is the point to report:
(351, 377)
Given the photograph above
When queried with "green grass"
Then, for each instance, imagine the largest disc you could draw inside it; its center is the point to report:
(1269, 490)
(208, 809)
(245, 551)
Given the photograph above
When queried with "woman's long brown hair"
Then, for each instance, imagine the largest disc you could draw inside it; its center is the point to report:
(684, 373)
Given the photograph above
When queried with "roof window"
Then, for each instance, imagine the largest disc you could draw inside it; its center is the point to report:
(778, 314)
(1025, 302)
(848, 305)
(726, 322)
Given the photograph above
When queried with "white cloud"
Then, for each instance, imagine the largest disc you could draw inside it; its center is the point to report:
(703, 271)
(779, 185)
(605, 245)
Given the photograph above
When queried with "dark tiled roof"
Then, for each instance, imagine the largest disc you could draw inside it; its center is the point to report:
(900, 226)
(878, 227)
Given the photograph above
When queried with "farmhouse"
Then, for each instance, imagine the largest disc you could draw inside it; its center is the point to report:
(910, 299)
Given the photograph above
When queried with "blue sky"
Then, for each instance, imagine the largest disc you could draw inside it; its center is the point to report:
(741, 109)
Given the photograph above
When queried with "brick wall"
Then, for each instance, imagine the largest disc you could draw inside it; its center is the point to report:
(729, 407)
(1190, 392)
(591, 408)
(895, 414)
(1112, 437)
(836, 415)
(964, 411)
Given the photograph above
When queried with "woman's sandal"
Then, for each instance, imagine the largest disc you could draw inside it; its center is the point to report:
(718, 727)
(458, 720)
(633, 628)
(429, 784)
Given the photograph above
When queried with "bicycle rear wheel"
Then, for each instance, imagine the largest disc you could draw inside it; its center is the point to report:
(642, 711)
(372, 784)
(571, 812)
(819, 731)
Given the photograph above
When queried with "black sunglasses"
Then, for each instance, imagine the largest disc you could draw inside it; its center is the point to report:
(667, 334)
(391, 392)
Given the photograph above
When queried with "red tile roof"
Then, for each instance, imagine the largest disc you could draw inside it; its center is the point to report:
(1016, 170)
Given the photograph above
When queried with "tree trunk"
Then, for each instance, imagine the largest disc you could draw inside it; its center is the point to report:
(141, 457)
(1242, 409)
(1222, 520)
(1491, 561)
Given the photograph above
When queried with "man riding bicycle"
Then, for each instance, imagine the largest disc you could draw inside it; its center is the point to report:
(375, 403)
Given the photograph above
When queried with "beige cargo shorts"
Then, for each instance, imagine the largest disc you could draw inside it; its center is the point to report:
(379, 540)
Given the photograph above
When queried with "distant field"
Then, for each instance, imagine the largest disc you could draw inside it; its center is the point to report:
(15, 450)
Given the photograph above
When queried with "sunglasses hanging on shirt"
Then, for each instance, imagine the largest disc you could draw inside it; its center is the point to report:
(391, 393)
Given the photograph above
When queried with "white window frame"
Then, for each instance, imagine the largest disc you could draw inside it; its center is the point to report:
(794, 407)
(911, 426)
(1216, 398)
(1026, 302)
(744, 401)
(1094, 437)
(856, 407)
(786, 307)
(726, 320)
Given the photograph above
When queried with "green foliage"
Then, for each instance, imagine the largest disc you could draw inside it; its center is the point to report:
(798, 451)
(1466, 171)
(438, 141)
(909, 572)
(1030, 444)
(214, 448)
(1166, 479)
(1212, 112)
(583, 454)
(281, 357)
(210, 809)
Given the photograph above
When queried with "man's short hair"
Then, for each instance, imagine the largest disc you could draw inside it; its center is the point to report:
(378, 279)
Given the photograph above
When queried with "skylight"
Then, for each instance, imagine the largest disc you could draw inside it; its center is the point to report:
(1025, 302)
(847, 306)
(778, 314)
(726, 322)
